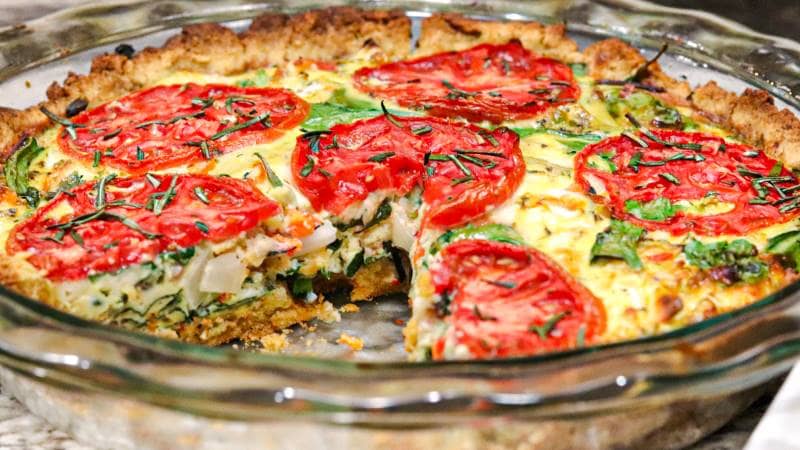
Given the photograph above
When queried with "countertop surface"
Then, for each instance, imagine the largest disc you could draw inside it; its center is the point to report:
(21, 430)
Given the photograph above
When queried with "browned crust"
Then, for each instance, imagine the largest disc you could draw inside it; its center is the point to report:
(253, 323)
(755, 117)
(326, 34)
(753, 114)
(613, 59)
(446, 32)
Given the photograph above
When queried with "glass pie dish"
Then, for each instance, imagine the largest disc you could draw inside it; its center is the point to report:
(666, 391)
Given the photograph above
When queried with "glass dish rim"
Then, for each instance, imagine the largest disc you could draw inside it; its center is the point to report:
(201, 353)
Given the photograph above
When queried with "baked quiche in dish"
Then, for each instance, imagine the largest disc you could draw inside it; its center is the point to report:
(527, 195)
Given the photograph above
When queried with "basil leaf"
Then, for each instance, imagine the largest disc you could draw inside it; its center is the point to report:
(618, 241)
(489, 232)
(657, 210)
(728, 262)
(16, 171)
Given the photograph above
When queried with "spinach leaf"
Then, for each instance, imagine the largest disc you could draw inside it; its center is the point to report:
(16, 171)
(728, 262)
(658, 210)
(489, 232)
(618, 241)
(575, 142)
(645, 108)
(786, 245)
(341, 108)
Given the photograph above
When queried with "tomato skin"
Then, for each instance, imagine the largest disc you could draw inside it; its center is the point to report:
(499, 291)
(235, 206)
(347, 173)
(720, 172)
(114, 130)
(487, 82)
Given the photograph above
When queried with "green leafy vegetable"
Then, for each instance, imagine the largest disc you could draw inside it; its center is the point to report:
(575, 142)
(618, 241)
(578, 69)
(16, 171)
(259, 79)
(644, 107)
(728, 262)
(786, 245)
(301, 287)
(490, 232)
(354, 264)
(658, 210)
(342, 108)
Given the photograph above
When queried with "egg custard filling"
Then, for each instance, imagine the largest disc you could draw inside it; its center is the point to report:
(524, 203)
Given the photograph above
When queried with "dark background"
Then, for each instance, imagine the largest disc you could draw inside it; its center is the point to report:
(779, 17)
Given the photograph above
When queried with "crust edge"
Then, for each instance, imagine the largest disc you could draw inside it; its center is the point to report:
(333, 33)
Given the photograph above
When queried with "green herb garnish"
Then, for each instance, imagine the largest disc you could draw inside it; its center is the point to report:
(273, 178)
(546, 328)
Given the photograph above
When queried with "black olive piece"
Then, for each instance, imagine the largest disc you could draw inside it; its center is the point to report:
(125, 50)
(76, 107)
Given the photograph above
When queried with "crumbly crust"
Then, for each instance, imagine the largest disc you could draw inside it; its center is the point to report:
(448, 32)
(753, 114)
(755, 117)
(613, 59)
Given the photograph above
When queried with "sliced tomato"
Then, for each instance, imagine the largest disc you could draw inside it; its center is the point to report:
(168, 126)
(487, 82)
(463, 169)
(71, 237)
(507, 300)
(708, 186)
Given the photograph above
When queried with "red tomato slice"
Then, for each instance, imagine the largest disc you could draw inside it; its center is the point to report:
(487, 82)
(127, 229)
(463, 169)
(164, 126)
(508, 300)
(732, 174)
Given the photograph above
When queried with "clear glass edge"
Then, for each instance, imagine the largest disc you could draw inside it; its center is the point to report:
(731, 373)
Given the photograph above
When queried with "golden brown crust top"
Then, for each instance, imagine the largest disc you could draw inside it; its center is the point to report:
(613, 59)
(326, 34)
(446, 32)
(755, 117)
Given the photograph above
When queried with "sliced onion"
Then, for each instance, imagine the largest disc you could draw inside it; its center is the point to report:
(224, 273)
(596, 184)
(321, 237)
(402, 230)
(192, 274)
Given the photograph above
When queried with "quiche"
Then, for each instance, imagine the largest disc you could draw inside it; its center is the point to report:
(527, 195)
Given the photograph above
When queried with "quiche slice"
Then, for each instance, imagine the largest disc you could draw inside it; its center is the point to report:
(527, 195)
